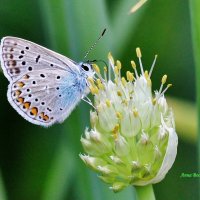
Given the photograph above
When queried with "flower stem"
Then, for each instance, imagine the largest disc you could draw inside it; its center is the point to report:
(145, 192)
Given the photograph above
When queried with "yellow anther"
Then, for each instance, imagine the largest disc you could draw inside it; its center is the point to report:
(110, 58)
(91, 81)
(133, 64)
(129, 76)
(116, 81)
(119, 65)
(98, 81)
(125, 102)
(146, 74)
(119, 115)
(115, 131)
(94, 90)
(99, 84)
(124, 82)
(115, 135)
(119, 93)
(164, 79)
(116, 70)
(105, 69)
(154, 101)
(96, 68)
(169, 85)
(149, 82)
(108, 103)
(138, 52)
(135, 113)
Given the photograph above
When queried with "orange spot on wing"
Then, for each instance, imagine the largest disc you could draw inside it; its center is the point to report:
(20, 100)
(17, 93)
(46, 117)
(20, 84)
(27, 105)
(26, 76)
(34, 111)
(42, 114)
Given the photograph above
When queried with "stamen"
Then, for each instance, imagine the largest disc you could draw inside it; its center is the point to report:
(97, 70)
(119, 66)
(119, 115)
(152, 66)
(111, 65)
(105, 73)
(115, 131)
(87, 100)
(168, 86)
(124, 82)
(119, 93)
(108, 103)
(91, 81)
(129, 76)
(134, 67)
(146, 74)
(116, 81)
(100, 85)
(94, 90)
(163, 81)
(154, 100)
(116, 70)
(111, 60)
(135, 113)
(139, 55)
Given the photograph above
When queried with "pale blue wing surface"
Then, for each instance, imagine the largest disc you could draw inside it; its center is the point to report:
(47, 96)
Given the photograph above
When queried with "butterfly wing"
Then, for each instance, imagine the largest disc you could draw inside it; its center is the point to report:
(47, 96)
(19, 56)
(44, 86)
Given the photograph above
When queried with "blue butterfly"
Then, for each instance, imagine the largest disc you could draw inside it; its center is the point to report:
(44, 86)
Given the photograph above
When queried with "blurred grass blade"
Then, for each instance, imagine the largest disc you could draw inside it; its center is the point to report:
(2, 189)
(186, 129)
(137, 6)
(124, 24)
(67, 25)
(195, 22)
(60, 174)
(54, 20)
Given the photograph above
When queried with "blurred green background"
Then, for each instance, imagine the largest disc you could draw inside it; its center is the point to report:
(43, 163)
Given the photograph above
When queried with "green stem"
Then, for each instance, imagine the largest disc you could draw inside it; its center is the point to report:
(145, 192)
(195, 25)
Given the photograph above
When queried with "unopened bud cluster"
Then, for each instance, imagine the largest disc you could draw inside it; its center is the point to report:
(132, 140)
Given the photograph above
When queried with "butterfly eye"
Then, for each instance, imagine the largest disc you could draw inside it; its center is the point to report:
(85, 67)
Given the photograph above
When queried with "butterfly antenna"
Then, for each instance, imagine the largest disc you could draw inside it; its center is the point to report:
(102, 34)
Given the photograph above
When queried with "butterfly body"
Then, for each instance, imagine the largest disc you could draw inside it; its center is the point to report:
(44, 86)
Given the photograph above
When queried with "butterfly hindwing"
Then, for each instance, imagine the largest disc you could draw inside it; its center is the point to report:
(46, 97)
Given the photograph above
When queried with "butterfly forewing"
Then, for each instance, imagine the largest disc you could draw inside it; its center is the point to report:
(19, 56)
(44, 86)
